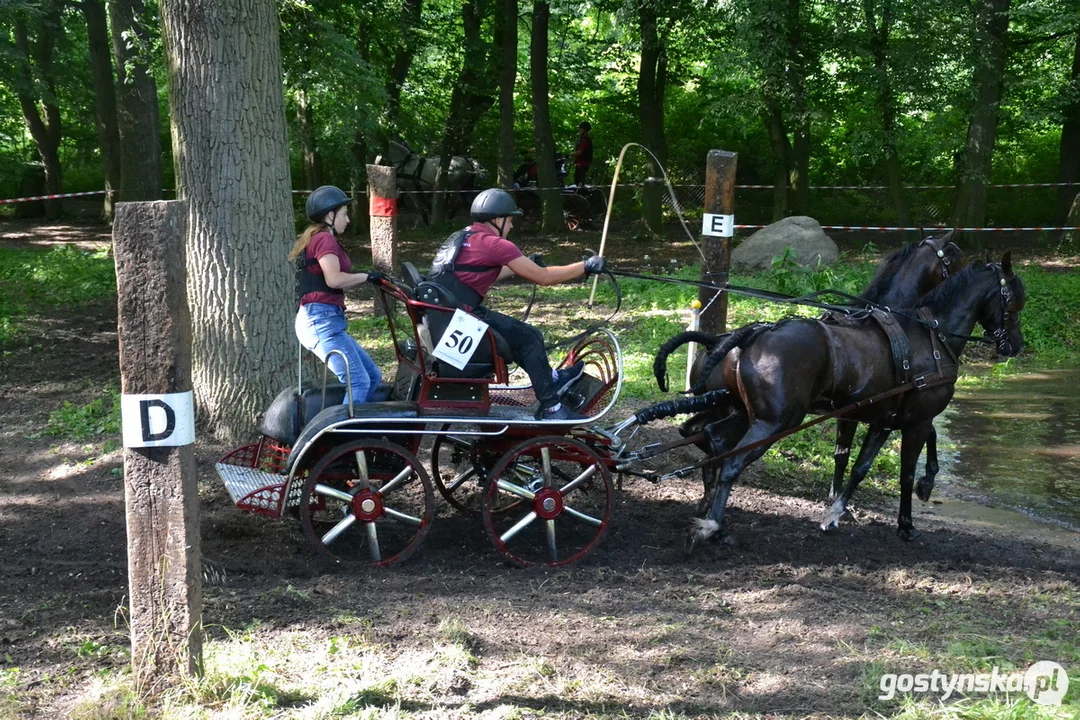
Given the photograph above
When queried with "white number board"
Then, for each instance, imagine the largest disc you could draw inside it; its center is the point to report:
(718, 225)
(158, 420)
(462, 337)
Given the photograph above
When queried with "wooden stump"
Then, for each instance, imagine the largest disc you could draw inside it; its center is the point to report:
(383, 224)
(717, 229)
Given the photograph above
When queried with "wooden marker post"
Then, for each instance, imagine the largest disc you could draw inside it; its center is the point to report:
(717, 229)
(383, 211)
(164, 558)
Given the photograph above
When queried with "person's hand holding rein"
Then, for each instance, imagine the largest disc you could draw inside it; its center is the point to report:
(526, 268)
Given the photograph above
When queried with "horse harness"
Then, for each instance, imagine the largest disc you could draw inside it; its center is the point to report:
(939, 250)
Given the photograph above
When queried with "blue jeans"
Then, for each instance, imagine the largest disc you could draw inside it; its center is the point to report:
(321, 329)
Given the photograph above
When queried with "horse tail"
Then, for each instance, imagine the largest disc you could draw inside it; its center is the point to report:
(660, 363)
(735, 339)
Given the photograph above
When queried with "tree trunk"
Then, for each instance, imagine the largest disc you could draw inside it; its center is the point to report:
(800, 114)
(552, 213)
(35, 60)
(1069, 167)
(781, 150)
(309, 156)
(403, 57)
(473, 95)
(104, 97)
(228, 125)
(506, 38)
(651, 86)
(990, 54)
(886, 103)
(136, 103)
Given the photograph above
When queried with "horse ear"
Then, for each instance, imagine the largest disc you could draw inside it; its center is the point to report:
(947, 237)
(1006, 263)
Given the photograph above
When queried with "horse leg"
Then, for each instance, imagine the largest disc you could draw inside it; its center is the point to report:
(845, 434)
(720, 436)
(876, 435)
(708, 526)
(913, 440)
(925, 486)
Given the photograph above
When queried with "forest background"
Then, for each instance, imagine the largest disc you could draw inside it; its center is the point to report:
(894, 93)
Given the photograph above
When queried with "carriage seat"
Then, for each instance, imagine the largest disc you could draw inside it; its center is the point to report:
(289, 413)
(435, 323)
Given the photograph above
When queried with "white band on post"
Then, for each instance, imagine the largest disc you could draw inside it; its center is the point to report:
(717, 225)
(158, 420)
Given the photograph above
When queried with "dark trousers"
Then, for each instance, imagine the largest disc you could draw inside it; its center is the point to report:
(579, 174)
(526, 349)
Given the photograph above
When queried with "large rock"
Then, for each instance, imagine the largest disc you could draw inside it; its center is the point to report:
(802, 234)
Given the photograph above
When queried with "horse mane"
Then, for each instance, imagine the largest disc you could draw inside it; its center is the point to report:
(888, 268)
(943, 294)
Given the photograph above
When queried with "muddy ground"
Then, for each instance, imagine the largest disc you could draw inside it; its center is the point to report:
(781, 620)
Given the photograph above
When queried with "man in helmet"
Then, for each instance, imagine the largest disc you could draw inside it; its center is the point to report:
(582, 153)
(323, 274)
(473, 259)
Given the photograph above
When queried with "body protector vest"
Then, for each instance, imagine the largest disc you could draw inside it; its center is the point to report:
(309, 282)
(444, 265)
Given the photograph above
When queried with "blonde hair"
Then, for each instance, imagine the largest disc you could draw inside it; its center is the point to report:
(304, 239)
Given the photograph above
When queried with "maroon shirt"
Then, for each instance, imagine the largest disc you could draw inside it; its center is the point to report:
(325, 244)
(484, 247)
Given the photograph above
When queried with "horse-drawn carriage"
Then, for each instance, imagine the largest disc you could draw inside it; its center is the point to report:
(544, 489)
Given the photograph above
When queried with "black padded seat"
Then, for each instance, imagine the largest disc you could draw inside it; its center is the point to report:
(411, 275)
(437, 322)
(285, 418)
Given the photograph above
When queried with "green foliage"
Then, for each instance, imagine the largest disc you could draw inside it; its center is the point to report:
(33, 278)
(79, 423)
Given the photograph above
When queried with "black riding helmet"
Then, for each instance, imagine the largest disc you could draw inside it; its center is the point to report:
(493, 203)
(324, 199)
(584, 125)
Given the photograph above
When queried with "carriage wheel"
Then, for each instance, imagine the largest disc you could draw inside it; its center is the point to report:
(567, 497)
(576, 212)
(459, 470)
(367, 501)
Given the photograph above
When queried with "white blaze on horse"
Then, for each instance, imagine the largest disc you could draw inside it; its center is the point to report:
(416, 176)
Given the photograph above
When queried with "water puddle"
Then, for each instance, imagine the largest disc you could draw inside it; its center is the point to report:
(1014, 442)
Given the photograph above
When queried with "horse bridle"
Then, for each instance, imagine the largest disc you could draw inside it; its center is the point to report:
(1008, 319)
(939, 250)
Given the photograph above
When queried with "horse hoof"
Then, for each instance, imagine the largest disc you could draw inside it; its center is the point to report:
(690, 544)
(907, 534)
(923, 492)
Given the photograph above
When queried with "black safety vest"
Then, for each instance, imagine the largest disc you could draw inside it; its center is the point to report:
(309, 282)
(444, 265)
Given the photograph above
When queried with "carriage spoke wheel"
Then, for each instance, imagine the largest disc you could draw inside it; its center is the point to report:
(459, 469)
(576, 212)
(566, 498)
(367, 501)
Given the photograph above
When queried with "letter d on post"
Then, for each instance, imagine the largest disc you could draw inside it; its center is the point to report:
(164, 560)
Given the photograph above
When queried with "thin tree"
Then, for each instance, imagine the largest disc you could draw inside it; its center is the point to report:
(544, 142)
(990, 56)
(136, 102)
(1069, 156)
(651, 87)
(101, 69)
(506, 39)
(228, 118)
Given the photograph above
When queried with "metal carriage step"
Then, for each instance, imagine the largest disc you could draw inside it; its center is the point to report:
(253, 490)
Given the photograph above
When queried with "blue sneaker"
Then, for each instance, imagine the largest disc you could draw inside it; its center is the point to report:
(568, 376)
(563, 414)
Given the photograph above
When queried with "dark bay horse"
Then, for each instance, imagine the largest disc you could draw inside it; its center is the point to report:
(900, 280)
(778, 373)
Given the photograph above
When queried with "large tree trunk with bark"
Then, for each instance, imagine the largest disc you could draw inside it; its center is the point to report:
(652, 86)
(136, 103)
(473, 95)
(1069, 165)
(228, 122)
(879, 31)
(38, 91)
(990, 60)
(101, 69)
(506, 39)
(546, 179)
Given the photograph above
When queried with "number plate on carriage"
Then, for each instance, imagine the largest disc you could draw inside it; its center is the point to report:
(462, 337)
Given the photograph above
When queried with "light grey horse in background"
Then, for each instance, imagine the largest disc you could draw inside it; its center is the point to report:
(416, 177)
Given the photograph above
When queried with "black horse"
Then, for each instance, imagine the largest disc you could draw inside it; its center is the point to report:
(901, 279)
(778, 373)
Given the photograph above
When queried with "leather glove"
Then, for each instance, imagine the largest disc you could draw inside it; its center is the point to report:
(538, 258)
(594, 264)
(374, 276)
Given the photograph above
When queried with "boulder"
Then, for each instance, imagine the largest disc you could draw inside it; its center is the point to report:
(802, 234)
